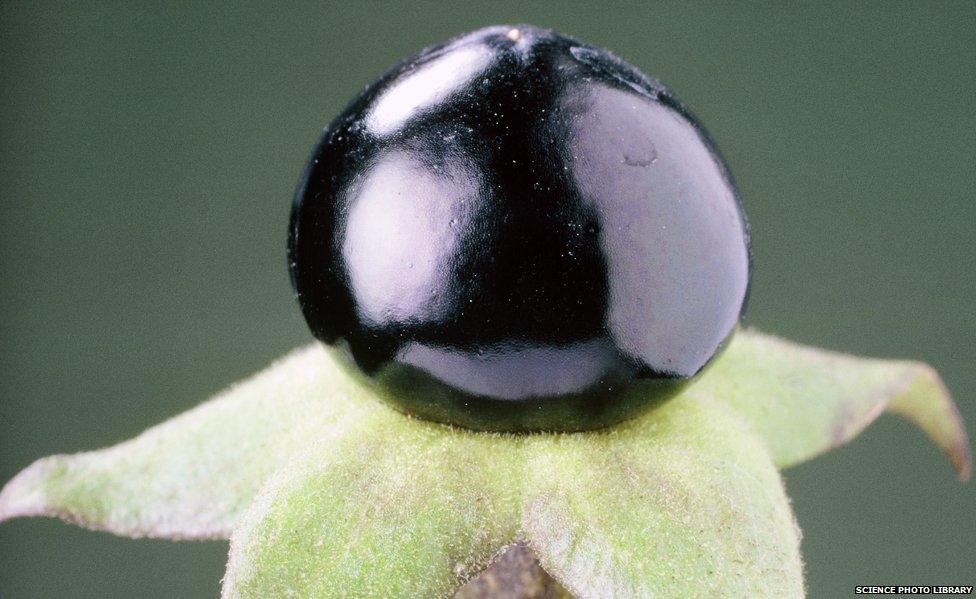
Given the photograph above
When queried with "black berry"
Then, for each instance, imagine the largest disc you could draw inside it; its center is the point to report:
(516, 231)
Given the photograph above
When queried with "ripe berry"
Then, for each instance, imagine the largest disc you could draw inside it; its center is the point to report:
(516, 231)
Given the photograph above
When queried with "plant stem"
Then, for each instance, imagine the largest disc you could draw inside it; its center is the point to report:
(516, 574)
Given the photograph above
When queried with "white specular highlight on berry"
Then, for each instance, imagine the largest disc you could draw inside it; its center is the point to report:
(427, 85)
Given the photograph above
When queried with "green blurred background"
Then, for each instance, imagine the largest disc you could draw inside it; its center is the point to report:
(149, 155)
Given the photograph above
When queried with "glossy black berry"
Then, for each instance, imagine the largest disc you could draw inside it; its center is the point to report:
(516, 231)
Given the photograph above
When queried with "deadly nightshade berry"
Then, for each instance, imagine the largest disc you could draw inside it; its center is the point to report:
(514, 230)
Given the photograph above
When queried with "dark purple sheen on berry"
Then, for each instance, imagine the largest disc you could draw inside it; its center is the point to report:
(516, 231)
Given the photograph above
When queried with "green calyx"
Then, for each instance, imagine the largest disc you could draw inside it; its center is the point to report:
(324, 491)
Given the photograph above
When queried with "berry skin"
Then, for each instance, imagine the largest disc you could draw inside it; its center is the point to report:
(515, 231)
